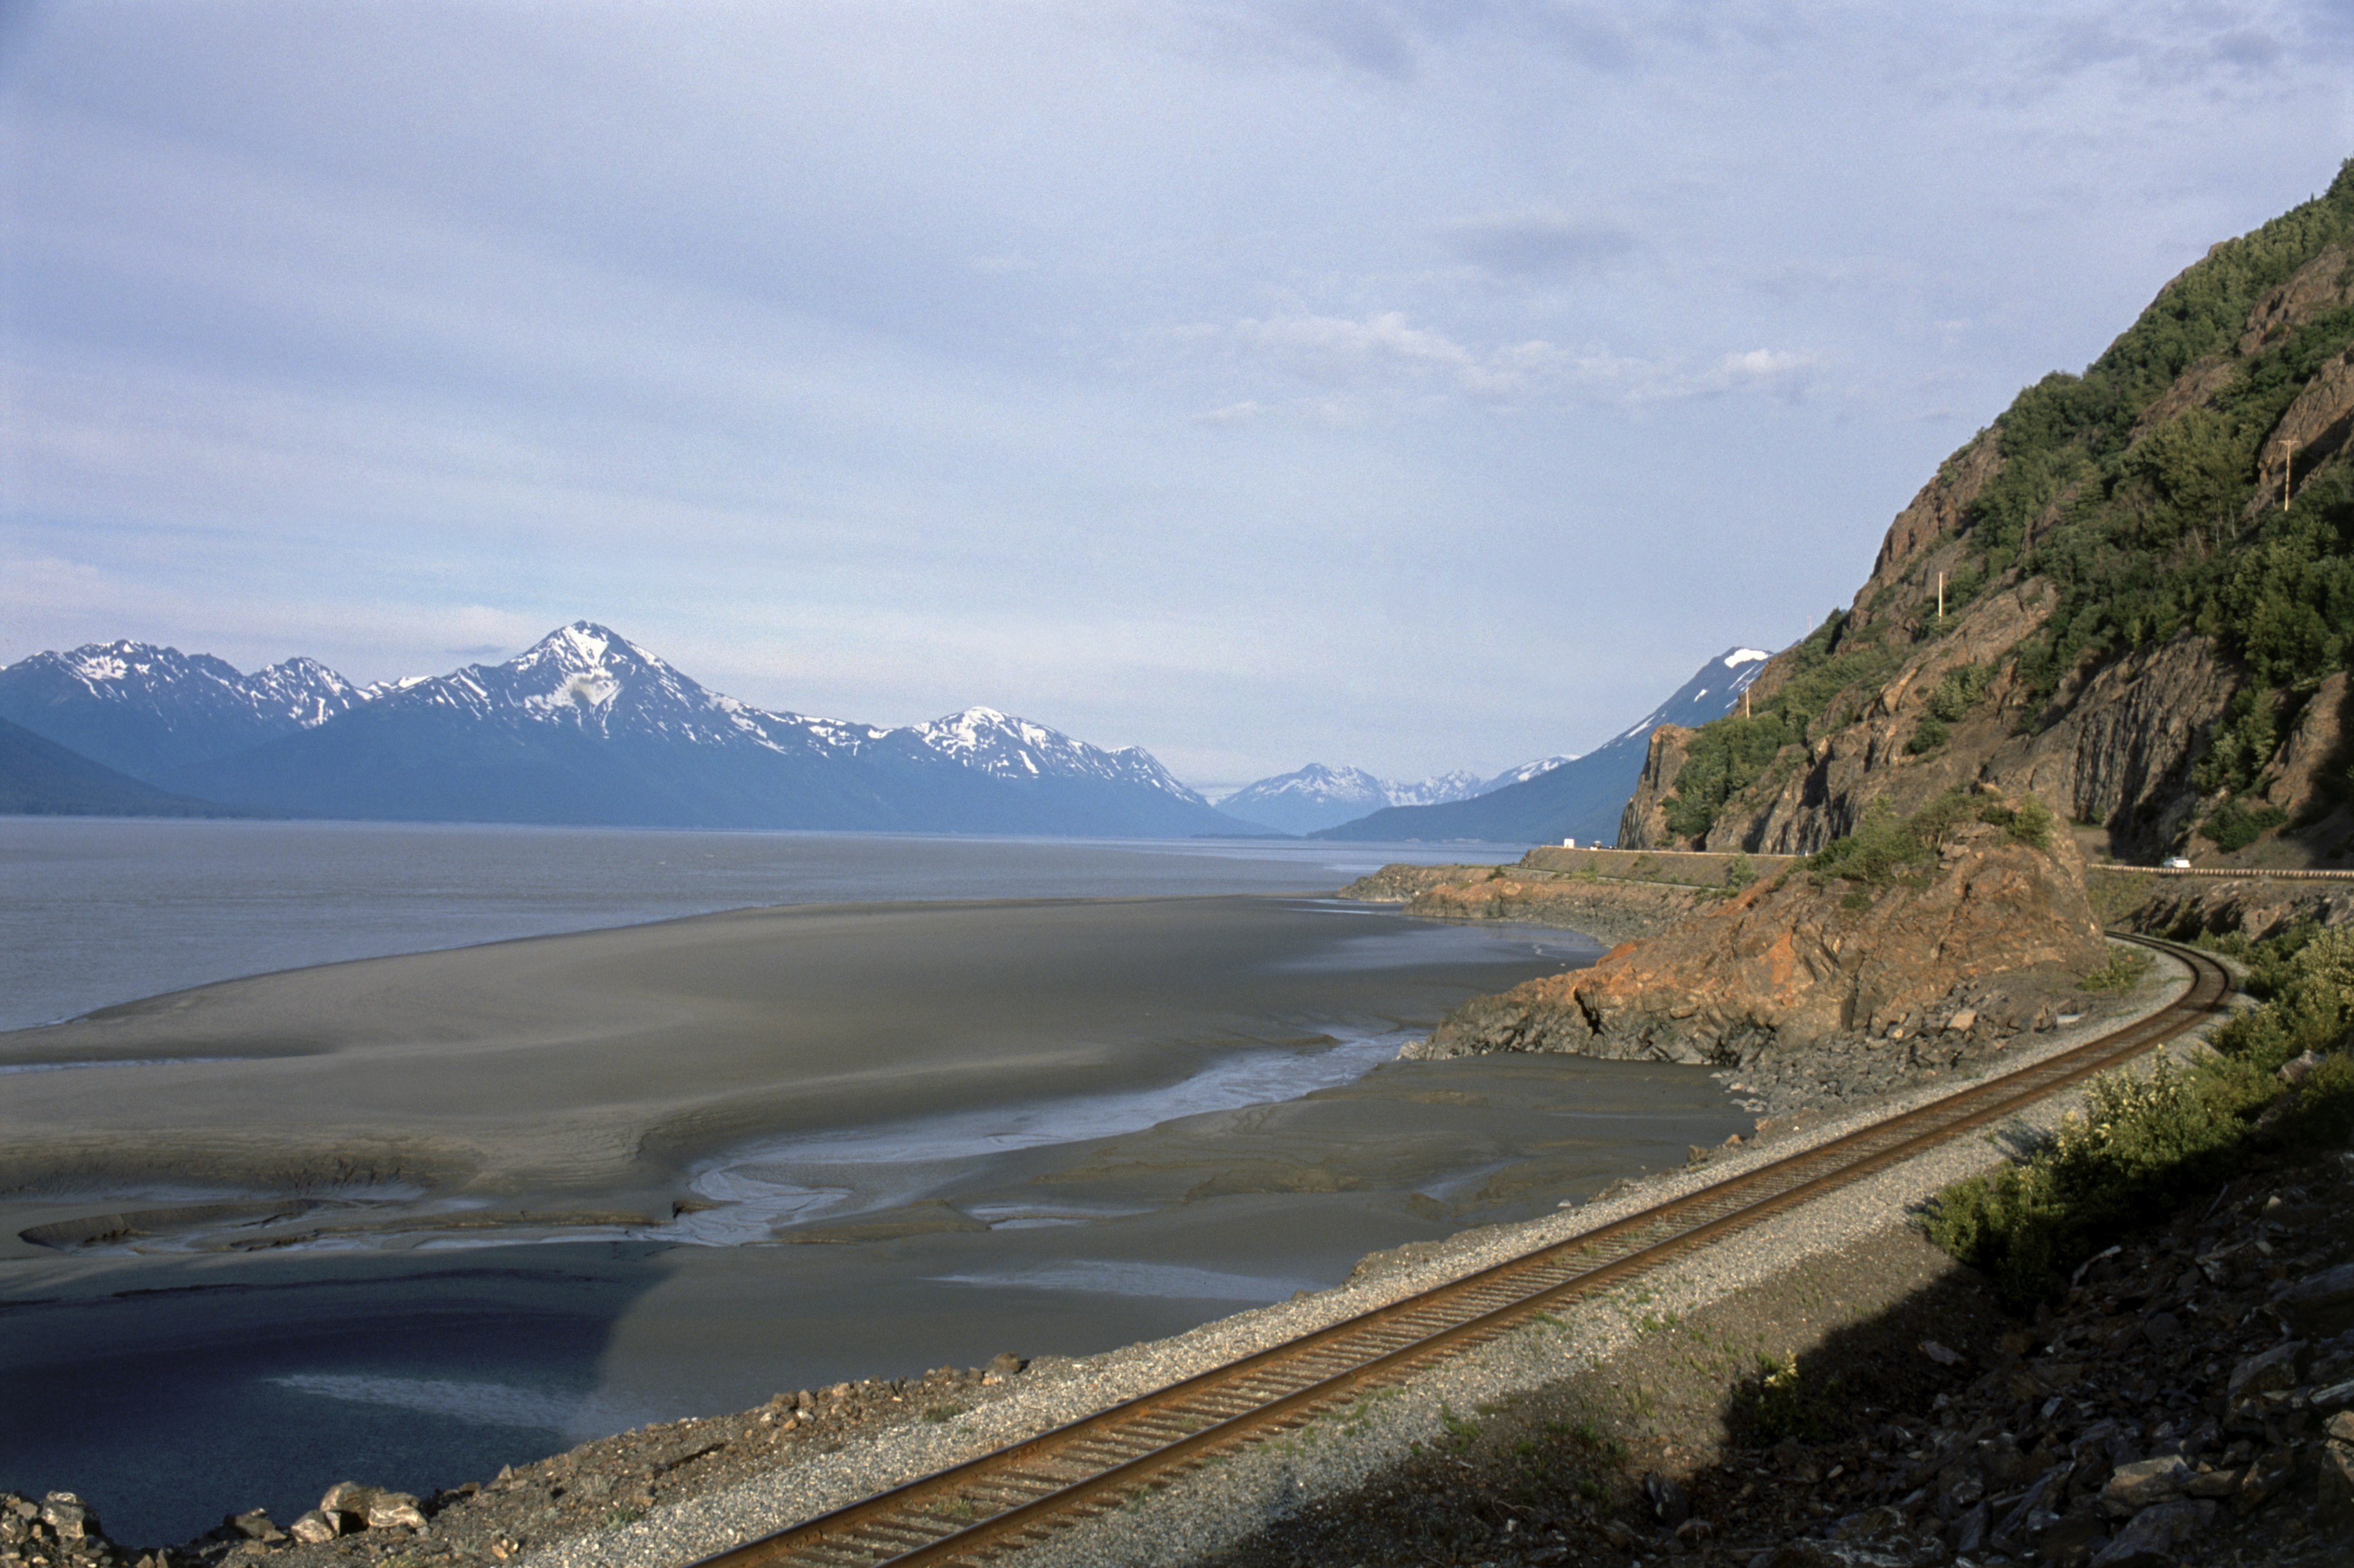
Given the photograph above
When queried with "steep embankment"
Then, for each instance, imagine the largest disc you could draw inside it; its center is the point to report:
(2133, 596)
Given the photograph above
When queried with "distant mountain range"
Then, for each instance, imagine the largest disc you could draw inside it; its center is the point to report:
(1580, 799)
(587, 727)
(583, 727)
(1320, 796)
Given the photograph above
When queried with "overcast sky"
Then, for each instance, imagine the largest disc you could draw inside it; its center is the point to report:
(1411, 386)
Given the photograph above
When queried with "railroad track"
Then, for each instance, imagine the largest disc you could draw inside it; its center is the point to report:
(1001, 1501)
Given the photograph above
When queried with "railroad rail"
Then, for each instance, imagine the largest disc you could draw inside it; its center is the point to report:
(1020, 1494)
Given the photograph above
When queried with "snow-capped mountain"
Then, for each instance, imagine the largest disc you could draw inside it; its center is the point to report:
(1006, 747)
(1577, 797)
(1455, 785)
(587, 726)
(1317, 796)
(1510, 776)
(149, 711)
(1308, 797)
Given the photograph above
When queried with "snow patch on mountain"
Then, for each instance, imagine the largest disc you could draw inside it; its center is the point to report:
(1709, 695)
(1009, 748)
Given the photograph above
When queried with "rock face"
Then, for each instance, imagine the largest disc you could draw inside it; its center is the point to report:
(1787, 963)
(2184, 907)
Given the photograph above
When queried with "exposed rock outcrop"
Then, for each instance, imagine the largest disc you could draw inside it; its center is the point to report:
(2185, 908)
(1787, 964)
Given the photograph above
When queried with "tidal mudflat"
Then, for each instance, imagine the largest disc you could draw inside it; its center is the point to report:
(407, 1219)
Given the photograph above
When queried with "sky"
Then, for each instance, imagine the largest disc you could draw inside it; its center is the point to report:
(1400, 385)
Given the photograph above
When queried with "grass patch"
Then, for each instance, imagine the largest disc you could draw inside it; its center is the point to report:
(2147, 1142)
(1781, 1401)
(1461, 1431)
(943, 1412)
(2121, 973)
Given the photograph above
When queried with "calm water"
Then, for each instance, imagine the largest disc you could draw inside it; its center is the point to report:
(98, 912)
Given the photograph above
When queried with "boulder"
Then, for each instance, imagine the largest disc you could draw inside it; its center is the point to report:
(2320, 1303)
(315, 1527)
(69, 1516)
(2151, 1536)
(2272, 1371)
(2134, 1487)
(371, 1508)
(2334, 1486)
(1670, 1504)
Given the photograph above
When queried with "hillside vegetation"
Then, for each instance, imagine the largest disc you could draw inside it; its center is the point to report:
(2148, 577)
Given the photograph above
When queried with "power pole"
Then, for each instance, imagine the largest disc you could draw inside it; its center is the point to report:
(2288, 461)
(1941, 596)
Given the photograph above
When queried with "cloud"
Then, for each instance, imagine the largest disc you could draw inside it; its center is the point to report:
(1240, 413)
(1384, 351)
(1634, 383)
(1540, 244)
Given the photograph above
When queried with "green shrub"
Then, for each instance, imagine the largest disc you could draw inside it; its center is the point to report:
(2234, 825)
(1884, 849)
(2270, 961)
(2147, 1142)
(1927, 735)
(1739, 872)
(1958, 691)
(2142, 1145)
(2312, 1005)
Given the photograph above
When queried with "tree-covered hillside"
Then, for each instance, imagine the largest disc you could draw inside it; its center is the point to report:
(2136, 507)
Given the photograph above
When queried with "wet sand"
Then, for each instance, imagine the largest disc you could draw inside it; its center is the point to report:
(946, 1130)
(605, 1063)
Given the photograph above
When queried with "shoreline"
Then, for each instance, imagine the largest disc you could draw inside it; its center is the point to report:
(851, 1439)
(1131, 1234)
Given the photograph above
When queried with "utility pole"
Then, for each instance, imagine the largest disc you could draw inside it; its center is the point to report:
(2288, 461)
(1745, 703)
(1941, 596)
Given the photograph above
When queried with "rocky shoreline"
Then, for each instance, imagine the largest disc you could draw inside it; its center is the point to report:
(613, 1481)
(1967, 1032)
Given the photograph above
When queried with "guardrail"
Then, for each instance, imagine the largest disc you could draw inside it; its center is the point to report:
(2284, 872)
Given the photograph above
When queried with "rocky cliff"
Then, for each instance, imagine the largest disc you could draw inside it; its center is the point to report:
(1945, 933)
(2132, 596)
